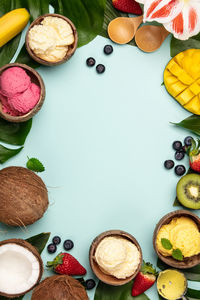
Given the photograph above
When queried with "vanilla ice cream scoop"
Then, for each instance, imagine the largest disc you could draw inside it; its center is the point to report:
(117, 256)
(50, 40)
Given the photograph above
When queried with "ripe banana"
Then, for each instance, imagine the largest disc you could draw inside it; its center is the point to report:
(12, 23)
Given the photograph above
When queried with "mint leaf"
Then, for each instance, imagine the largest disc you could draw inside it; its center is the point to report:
(177, 254)
(166, 244)
(35, 165)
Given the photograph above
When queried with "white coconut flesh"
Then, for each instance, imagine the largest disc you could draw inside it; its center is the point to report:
(19, 269)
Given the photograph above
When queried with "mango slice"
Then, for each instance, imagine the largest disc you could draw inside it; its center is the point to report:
(182, 79)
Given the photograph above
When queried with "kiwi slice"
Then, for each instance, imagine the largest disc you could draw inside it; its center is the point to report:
(188, 191)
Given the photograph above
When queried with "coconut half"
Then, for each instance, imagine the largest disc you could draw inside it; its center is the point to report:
(60, 287)
(21, 268)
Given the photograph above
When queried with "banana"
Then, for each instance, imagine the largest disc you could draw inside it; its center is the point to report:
(12, 24)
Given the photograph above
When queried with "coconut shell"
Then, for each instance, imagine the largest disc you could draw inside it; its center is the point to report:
(32, 249)
(23, 196)
(60, 287)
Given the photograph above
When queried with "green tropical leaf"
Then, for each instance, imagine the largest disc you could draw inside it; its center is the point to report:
(6, 153)
(108, 292)
(110, 14)
(14, 133)
(178, 46)
(86, 15)
(39, 242)
(191, 123)
(193, 294)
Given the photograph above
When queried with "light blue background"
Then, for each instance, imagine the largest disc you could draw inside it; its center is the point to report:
(103, 140)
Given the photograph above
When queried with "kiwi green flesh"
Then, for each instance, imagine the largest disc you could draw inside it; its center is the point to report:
(188, 191)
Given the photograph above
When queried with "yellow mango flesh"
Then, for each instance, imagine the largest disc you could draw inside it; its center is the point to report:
(182, 79)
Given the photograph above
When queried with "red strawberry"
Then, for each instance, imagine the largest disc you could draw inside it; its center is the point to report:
(144, 279)
(128, 6)
(194, 155)
(66, 264)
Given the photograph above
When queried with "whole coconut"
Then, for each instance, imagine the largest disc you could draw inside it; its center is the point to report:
(23, 196)
(59, 287)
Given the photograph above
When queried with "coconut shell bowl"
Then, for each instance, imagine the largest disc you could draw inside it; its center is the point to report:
(71, 48)
(35, 78)
(188, 262)
(106, 278)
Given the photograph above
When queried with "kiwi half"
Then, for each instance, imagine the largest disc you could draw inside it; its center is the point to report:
(188, 191)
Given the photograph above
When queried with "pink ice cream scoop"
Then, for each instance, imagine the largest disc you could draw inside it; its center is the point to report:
(25, 101)
(6, 107)
(14, 80)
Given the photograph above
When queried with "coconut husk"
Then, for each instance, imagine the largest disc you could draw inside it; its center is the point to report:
(23, 196)
(32, 249)
(60, 287)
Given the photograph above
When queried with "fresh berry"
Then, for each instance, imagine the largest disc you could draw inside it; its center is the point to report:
(108, 49)
(56, 240)
(128, 6)
(180, 170)
(188, 141)
(144, 279)
(169, 164)
(179, 155)
(194, 155)
(66, 264)
(100, 68)
(51, 248)
(90, 62)
(90, 284)
(68, 245)
(177, 145)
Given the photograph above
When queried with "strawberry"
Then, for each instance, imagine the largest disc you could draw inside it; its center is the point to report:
(128, 6)
(144, 279)
(194, 155)
(66, 264)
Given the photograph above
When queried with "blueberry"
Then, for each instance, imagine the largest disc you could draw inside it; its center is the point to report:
(179, 155)
(51, 248)
(108, 49)
(56, 240)
(169, 164)
(100, 68)
(188, 141)
(90, 62)
(68, 245)
(90, 284)
(177, 145)
(180, 170)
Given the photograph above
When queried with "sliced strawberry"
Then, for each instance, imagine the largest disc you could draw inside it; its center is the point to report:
(128, 6)
(144, 279)
(66, 264)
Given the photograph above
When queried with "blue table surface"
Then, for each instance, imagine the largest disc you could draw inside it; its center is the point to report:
(103, 140)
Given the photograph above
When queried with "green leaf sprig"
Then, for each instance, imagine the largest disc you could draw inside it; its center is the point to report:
(35, 165)
(176, 253)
